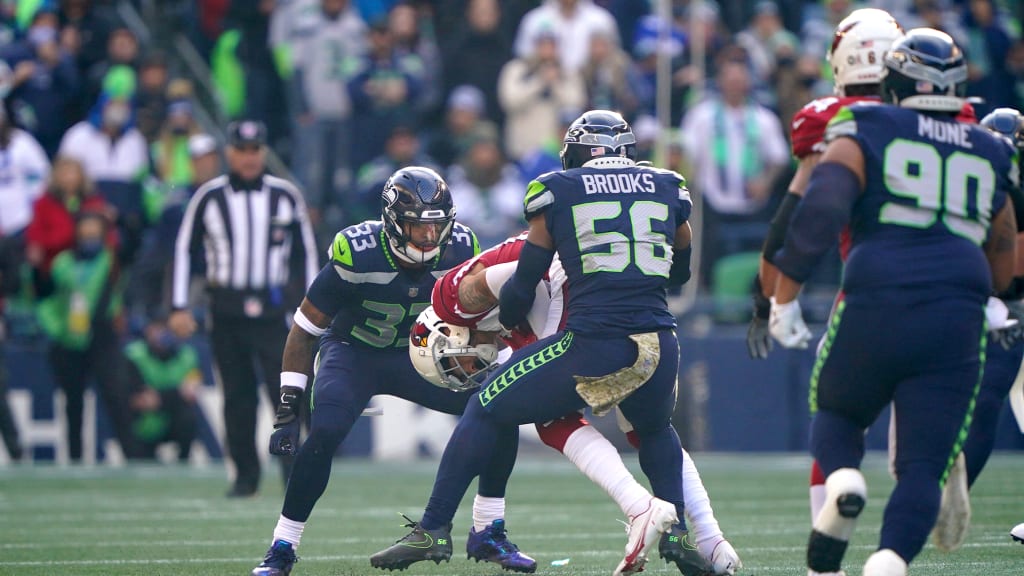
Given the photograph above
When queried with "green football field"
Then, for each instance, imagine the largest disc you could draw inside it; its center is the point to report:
(159, 520)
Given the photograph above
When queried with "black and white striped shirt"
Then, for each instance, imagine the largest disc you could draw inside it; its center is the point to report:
(251, 239)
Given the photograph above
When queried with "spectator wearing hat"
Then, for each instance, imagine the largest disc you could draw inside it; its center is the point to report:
(260, 256)
(45, 82)
(488, 191)
(572, 22)
(532, 91)
(122, 50)
(465, 122)
(163, 378)
(151, 95)
(114, 154)
(170, 153)
(385, 92)
(153, 268)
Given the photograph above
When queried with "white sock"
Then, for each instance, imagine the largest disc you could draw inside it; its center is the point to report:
(289, 531)
(486, 510)
(817, 495)
(706, 532)
(595, 456)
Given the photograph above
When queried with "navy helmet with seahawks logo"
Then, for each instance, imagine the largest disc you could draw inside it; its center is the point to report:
(1008, 122)
(925, 70)
(416, 195)
(597, 134)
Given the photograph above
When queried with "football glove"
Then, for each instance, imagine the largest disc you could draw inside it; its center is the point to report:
(759, 340)
(285, 439)
(786, 324)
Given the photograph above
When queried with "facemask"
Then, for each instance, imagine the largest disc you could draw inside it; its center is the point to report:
(115, 115)
(90, 248)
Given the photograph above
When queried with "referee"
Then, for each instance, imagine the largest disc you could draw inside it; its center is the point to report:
(256, 236)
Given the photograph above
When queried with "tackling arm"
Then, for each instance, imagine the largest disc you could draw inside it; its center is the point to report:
(518, 293)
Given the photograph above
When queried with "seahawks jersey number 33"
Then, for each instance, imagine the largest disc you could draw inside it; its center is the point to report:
(373, 300)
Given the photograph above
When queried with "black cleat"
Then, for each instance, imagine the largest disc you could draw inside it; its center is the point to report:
(278, 561)
(417, 545)
(675, 546)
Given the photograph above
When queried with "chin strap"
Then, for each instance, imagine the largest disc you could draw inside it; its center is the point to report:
(403, 253)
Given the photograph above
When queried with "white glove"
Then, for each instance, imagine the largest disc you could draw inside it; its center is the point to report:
(786, 324)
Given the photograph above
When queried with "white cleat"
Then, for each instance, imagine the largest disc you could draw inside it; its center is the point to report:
(645, 530)
(955, 513)
(724, 559)
(885, 563)
(1018, 533)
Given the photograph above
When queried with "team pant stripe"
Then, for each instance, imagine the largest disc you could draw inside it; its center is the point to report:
(961, 437)
(826, 347)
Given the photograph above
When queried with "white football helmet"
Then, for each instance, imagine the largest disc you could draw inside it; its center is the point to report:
(441, 353)
(858, 46)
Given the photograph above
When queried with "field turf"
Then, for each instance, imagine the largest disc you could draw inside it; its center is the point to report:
(163, 520)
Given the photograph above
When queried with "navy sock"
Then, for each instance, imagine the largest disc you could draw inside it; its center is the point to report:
(467, 455)
(310, 472)
(495, 475)
(911, 511)
(836, 442)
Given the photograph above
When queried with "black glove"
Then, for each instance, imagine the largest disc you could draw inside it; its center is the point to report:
(759, 340)
(285, 439)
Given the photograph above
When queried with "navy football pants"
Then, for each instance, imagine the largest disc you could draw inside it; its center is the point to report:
(926, 359)
(347, 377)
(537, 384)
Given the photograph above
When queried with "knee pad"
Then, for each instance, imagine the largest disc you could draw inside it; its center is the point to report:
(885, 563)
(845, 496)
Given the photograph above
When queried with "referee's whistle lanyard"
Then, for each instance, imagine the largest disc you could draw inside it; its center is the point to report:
(750, 160)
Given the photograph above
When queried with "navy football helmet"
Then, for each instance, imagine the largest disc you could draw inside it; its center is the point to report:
(416, 195)
(597, 134)
(925, 70)
(1008, 122)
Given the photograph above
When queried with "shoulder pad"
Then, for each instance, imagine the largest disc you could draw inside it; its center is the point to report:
(807, 129)
(538, 197)
(844, 123)
(464, 236)
(363, 237)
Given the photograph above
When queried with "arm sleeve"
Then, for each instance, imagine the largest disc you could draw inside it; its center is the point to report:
(818, 220)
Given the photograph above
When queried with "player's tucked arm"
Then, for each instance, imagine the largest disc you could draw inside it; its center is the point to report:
(518, 293)
(834, 187)
(1001, 248)
(475, 295)
(680, 271)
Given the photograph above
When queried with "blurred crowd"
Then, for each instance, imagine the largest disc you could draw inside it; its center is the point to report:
(102, 144)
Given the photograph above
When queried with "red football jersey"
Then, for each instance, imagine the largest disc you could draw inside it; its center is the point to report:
(807, 131)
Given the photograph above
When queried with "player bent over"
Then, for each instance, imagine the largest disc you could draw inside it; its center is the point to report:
(361, 307)
(932, 233)
(619, 346)
(466, 297)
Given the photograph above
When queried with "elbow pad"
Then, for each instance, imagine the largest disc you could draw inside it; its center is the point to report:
(780, 223)
(680, 271)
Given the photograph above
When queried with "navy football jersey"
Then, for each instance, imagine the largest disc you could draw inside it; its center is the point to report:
(373, 299)
(932, 187)
(613, 228)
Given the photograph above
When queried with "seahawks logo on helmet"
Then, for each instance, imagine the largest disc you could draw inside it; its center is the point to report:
(925, 70)
(597, 134)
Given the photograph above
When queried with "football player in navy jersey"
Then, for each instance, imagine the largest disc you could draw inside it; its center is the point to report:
(359, 310)
(933, 232)
(621, 233)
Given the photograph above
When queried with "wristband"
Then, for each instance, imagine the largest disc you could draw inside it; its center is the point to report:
(294, 379)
